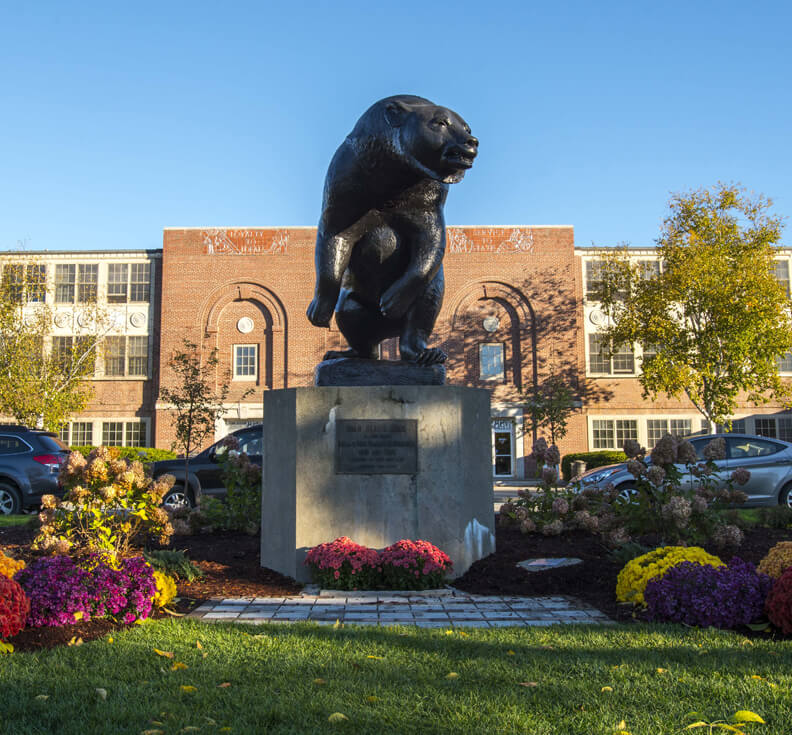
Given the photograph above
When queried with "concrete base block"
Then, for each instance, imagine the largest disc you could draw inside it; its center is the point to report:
(445, 499)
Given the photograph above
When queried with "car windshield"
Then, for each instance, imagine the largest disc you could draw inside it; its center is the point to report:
(52, 443)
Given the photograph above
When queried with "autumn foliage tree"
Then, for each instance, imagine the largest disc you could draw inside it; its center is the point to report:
(714, 320)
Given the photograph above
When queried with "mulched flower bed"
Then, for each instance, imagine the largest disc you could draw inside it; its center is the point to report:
(231, 569)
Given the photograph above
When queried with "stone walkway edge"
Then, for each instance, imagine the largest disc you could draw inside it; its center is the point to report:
(445, 608)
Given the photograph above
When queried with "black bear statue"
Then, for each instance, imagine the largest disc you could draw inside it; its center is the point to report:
(381, 236)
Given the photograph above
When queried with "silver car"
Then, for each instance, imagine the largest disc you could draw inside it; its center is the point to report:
(768, 460)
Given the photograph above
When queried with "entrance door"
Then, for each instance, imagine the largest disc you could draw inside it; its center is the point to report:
(502, 448)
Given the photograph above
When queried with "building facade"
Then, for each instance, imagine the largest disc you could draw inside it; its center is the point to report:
(516, 310)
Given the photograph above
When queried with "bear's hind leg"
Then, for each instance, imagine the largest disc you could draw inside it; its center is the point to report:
(362, 326)
(419, 323)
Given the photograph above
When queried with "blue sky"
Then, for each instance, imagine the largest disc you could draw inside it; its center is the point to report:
(119, 120)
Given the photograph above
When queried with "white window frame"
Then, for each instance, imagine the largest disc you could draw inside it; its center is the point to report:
(234, 357)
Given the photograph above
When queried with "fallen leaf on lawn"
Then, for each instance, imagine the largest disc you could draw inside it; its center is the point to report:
(745, 715)
(156, 722)
(449, 632)
(102, 693)
(178, 666)
(319, 682)
(529, 683)
(75, 641)
(190, 728)
(109, 639)
(606, 689)
(166, 654)
(510, 652)
(452, 675)
(662, 671)
(188, 688)
(547, 648)
(372, 700)
(42, 697)
(377, 658)
(204, 654)
(198, 645)
(337, 717)
(462, 633)
(224, 685)
(338, 624)
(210, 721)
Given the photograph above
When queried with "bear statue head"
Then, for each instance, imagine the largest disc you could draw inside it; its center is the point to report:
(432, 141)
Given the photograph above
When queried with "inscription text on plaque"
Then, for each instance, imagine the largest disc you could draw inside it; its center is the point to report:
(376, 447)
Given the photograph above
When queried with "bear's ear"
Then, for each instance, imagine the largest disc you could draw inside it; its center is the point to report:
(396, 113)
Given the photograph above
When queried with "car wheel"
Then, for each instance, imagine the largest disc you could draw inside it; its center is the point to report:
(10, 502)
(627, 494)
(177, 498)
(785, 498)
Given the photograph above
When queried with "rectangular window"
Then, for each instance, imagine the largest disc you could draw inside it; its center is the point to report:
(114, 357)
(140, 281)
(135, 434)
(626, 429)
(765, 427)
(87, 282)
(599, 362)
(785, 429)
(781, 272)
(623, 360)
(785, 363)
(63, 434)
(737, 427)
(245, 362)
(491, 362)
(656, 429)
(37, 283)
(62, 351)
(681, 427)
(14, 282)
(602, 433)
(65, 279)
(113, 433)
(117, 279)
(82, 433)
(593, 275)
(649, 351)
(649, 269)
(137, 351)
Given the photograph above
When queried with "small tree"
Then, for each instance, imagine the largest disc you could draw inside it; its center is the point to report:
(550, 405)
(714, 320)
(43, 378)
(196, 401)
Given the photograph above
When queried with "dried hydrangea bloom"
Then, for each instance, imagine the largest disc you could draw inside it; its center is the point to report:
(539, 449)
(686, 453)
(521, 513)
(554, 528)
(619, 537)
(716, 449)
(633, 449)
(699, 504)
(665, 451)
(635, 467)
(560, 506)
(740, 476)
(656, 475)
(48, 502)
(527, 526)
(678, 511)
(580, 502)
(549, 475)
(552, 455)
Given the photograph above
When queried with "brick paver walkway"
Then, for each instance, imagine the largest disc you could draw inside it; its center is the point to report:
(435, 609)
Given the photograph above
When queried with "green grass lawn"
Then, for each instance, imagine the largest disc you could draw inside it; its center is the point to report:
(292, 678)
(19, 520)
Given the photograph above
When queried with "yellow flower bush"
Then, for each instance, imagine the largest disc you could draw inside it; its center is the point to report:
(778, 560)
(9, 567)
(166, 589)
(632, 580)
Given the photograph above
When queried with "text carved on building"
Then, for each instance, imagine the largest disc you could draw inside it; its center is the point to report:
(218, 241)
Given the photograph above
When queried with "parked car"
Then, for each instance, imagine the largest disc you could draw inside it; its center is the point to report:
(30, 462)
(768, 460)
(204, 469)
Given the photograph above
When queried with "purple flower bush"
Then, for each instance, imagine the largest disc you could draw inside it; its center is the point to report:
(703, 595)
(62, 591)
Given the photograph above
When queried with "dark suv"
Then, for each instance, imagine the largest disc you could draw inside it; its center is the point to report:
(30, 461)
(204, 470)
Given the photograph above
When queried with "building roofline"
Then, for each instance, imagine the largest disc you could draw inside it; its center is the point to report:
(151, 252)
(313, 227)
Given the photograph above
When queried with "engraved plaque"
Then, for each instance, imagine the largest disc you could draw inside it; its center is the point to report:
(376, 447)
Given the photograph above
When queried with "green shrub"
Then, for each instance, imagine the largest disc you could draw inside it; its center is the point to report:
(592, 460)
(144, 454)
(175, 563)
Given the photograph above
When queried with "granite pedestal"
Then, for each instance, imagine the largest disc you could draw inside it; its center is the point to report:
(376, 464)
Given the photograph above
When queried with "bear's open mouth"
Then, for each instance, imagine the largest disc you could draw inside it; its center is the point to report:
(457, 158)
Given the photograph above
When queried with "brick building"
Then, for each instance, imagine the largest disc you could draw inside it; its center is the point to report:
(515, 311)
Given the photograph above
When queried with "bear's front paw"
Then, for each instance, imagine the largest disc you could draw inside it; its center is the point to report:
(319, 313)
(394, 303)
